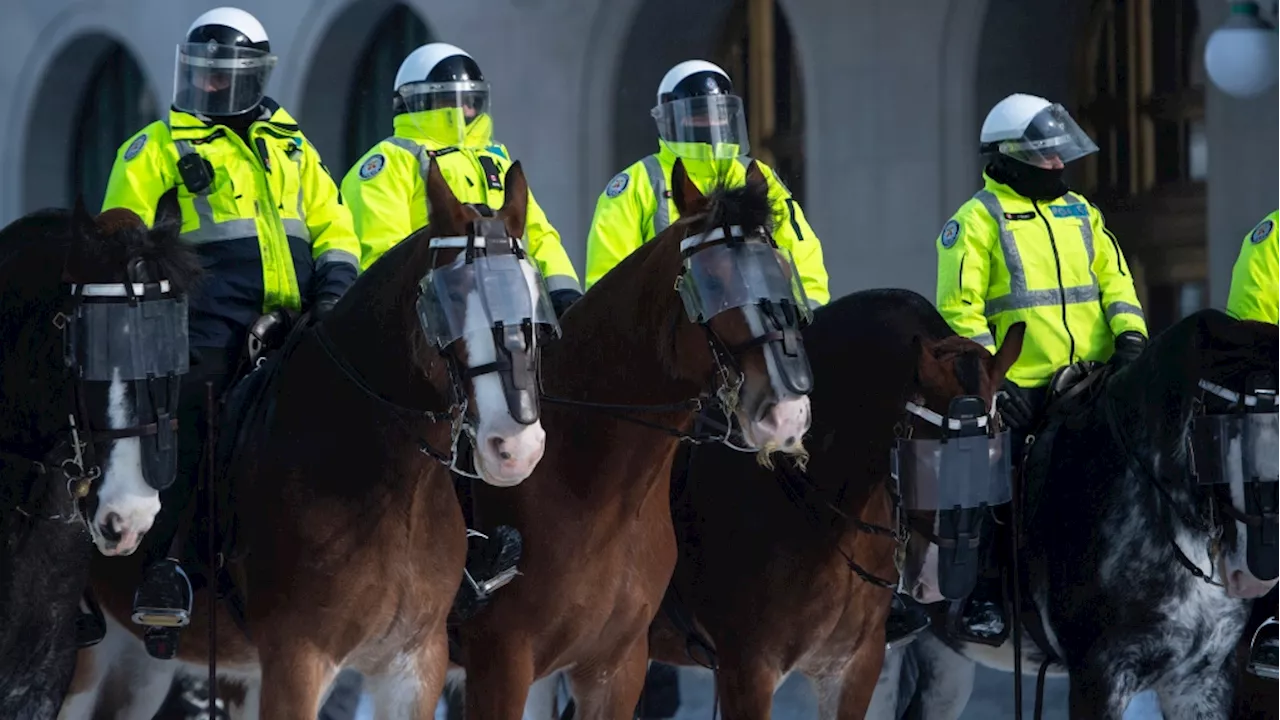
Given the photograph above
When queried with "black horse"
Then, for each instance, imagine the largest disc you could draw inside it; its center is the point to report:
(93, 326)
(1148, 525)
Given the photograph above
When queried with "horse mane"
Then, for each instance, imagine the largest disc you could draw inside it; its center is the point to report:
(1161, 386)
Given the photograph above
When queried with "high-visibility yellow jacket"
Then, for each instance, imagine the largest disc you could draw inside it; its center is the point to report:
(387, 193)
(636, 206)
(1255, 287)
(269, 229)
(1003, 258)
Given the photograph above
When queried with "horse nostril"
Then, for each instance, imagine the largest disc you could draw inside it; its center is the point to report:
(789, 441)
(495, 444)
(108, 528)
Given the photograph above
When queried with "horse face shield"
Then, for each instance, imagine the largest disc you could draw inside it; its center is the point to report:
(725, 269)
(1242, 445)
(136, 333)
(513, 304)
(958, 476)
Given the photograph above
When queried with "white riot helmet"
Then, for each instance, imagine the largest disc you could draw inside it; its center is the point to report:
(698, 114)
(1034, 131)
(442, 77)
(223, 65)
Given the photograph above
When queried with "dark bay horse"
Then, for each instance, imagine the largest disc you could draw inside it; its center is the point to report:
(85, 305)
(595, 515)
(351, 543)
(1145, 527)
(791, 570)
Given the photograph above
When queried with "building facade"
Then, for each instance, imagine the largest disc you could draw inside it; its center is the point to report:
(870, 109)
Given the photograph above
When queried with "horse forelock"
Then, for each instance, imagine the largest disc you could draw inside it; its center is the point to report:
(746, 205)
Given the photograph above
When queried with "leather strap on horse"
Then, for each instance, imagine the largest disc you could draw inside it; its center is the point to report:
(1029, 617)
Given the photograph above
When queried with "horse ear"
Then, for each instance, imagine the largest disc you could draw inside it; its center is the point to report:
(83, 224)
(442, 205)
(755, 176)
(515, 205)
(687, 196)
(168, 212)
(1009, 350)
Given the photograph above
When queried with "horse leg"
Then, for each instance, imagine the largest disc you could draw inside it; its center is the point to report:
(943, 680)
(136, 683)
(890, 684)
(602, 692)
(745, 684)
(1204, 695)
(498, 679)
(411, 687)
(858, 682)
(295, 675)
(1093, 695)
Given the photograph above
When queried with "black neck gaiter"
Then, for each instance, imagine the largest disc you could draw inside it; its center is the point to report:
(1027, 180)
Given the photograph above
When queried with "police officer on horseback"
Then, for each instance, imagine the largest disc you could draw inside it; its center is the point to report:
(700, 121)
(1027, 249)
(1255, 295)
(441, 105)
(264, 215)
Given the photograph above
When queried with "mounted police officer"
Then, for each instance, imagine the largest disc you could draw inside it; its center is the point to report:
(1255, 286)
(700, 121)
(265, 218)
(1027, 249)
(441, 105)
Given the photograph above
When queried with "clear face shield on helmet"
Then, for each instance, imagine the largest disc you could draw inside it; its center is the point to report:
(1051, 140)
(217, 80)
(707, 127)
(451, 113)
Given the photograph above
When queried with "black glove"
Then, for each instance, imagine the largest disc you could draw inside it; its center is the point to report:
(562, 299)
(1129, 345)
(1015, 407)
(323, 305)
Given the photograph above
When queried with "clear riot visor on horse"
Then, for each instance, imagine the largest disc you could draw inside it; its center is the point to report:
(1245, 445)
(957, 476)
(135, 333)
(481, 293)
(726, 269)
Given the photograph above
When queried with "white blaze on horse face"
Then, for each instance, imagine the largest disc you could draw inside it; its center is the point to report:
(780, 421)
(127, 505)
(507, 451)
(1234, 565)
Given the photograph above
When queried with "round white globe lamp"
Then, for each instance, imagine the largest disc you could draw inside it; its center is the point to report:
(1240, 57)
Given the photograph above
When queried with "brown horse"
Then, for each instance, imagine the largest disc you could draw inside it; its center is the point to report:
(599, 548)
(791, 570)
(350, 543)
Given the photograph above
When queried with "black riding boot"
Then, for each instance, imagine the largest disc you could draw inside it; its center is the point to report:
(491, 563)
(1265, 651)
(906, 620)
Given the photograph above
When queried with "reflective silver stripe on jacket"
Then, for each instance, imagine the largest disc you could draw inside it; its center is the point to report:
(1019, 297)
(658, 182)
(211, 230)
(984, 339)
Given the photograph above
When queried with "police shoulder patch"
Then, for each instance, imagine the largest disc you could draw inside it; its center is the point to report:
(617, 185)
(372, 166)
(1261, 232)
(950, 233)
(135, 147)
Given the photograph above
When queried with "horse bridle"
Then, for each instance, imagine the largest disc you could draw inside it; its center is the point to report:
(458, 414)
(728, 376)
(75, 453)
